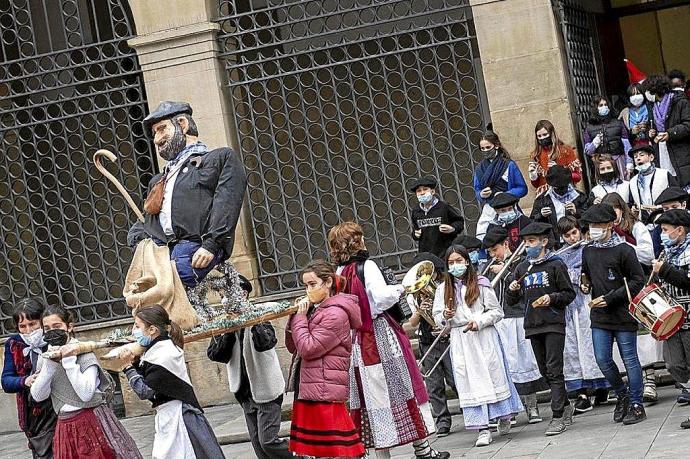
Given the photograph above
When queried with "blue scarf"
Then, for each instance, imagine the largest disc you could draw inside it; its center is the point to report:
(569, 195)
(638, 115)
(613, 241)
(189, 150)
(641, 175)
(677, 255)
(489, 173)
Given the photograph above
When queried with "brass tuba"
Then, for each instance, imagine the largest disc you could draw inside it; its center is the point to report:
(419, 283)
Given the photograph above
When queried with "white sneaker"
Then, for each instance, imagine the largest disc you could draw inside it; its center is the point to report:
(503, 426)
(484, 438)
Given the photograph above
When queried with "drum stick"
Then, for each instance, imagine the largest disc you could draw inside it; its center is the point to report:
(627, 289)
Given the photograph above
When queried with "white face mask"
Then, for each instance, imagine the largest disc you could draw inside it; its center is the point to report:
(604, 110)
(636, 100)
(35, 338)
(597, 234)
(650, 97)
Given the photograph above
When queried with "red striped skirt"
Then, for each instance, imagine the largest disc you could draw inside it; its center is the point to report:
(323, 429)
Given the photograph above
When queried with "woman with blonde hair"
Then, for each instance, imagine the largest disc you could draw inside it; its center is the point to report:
(388, 399)
(549, 150)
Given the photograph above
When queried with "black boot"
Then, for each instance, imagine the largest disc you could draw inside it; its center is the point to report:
(621, 408)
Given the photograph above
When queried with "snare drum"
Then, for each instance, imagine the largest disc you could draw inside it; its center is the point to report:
(658, 312)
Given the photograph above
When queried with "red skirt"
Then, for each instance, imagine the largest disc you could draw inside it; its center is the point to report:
(323, 429)
(81, 436)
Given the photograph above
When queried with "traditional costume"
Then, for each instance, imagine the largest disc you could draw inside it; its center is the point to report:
(522, 365)
(76, 387)
(513, 222)
(36, 419)
(561, 193)
(580, 368)
(485, 390)
(388, 400)
(601, 189)
(647, 185)
(182, 431)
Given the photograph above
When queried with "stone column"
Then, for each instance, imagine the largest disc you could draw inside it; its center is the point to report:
(524, 74)
(178, 53)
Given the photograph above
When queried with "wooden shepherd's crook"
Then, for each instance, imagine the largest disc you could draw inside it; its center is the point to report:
(111, 156)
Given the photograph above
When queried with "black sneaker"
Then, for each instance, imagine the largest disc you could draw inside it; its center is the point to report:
(582, 404)
(636, 413)
(621, 409)
(685, 424)
(435, 455)
(601, 397)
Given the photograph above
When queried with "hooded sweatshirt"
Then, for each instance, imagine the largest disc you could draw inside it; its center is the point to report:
(323, 342)
(546, 276)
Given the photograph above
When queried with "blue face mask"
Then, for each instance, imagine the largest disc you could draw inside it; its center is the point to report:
(643, 167)
(603, 111)
(474, 257)
(507, 217)
(457, 270)
(425, 198)
(667, 241)
(533, 253)
(141, 338)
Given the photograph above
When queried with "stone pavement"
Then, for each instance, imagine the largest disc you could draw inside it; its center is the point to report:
(594, 435)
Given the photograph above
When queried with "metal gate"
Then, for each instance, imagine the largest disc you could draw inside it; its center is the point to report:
(580, 39)
(69, 84)
(339, 104)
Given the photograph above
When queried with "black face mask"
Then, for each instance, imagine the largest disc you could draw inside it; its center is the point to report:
(56, 337)
(607, 176)
(489, 154)
(560, 190)
(545, 142)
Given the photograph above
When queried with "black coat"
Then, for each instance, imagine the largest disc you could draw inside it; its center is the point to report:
(207, 200)
(678, 127)
(545, 201)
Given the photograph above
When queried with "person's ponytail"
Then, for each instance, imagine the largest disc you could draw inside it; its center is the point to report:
(176, 335)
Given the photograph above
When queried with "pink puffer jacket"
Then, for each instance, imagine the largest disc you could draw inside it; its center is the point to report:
(324, 343)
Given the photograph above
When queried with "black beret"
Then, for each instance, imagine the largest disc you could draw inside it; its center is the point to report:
(439, 265)
(558, 176)
(495, 235)
(675, 217)
(245, 284)
(599, 213)
(670, 194)
(536, 229)
(469, 242)
(165, 111)
(502, 200)
(645, 148)
(424, 181)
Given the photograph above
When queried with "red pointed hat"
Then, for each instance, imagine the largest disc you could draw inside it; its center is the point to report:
(635, 74)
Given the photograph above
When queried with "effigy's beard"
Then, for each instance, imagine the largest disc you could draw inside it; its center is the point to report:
(174, 145)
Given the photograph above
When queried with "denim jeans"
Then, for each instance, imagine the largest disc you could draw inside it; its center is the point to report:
(627, 347)
(182, 253)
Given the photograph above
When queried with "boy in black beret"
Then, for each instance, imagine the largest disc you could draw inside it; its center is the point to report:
(650, 181)
(473, 246)
(509, 216)
(607, 262)
(672, 197)
(434, 222)
(522, 365)
(427, 333)
(674, 272)
(543, 286)
(560, 200)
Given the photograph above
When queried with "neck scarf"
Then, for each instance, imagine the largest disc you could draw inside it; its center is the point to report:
(678, 254)
(641, 178)
(559, 201)
(629, 238)
(638, 115)
(613, 241)
(489, 173)
(661, 110)
(189, 150)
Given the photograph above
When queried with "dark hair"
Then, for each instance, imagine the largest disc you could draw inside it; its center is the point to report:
(56, 310)
(191, 125)
(595, 105)
(627, 217)
(324, 271)
(566, 224)
(29, 309)
(469, 279)
(605, 159)
(158, 317)
(491, 137)
(658, 85)
(556, 144)
(675, 73)
(635, 87)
